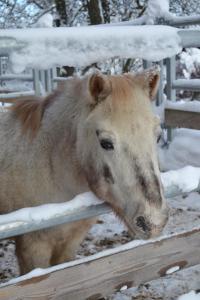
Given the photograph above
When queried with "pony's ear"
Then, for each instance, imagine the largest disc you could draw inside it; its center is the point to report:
(99, 87)
(150, 79)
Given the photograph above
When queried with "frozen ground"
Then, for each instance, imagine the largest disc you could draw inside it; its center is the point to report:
(109, 232)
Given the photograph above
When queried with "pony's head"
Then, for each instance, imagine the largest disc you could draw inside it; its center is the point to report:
(117, 149)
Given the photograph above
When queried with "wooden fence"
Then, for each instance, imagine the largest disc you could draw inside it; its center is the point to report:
(99, 275)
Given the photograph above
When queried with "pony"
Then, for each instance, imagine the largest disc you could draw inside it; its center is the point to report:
(94, 133)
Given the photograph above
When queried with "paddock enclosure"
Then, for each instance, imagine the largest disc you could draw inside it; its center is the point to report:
(135, 262)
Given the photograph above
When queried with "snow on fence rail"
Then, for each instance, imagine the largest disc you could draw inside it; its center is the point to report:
(173, 20)
(45, 47)
(86, 206)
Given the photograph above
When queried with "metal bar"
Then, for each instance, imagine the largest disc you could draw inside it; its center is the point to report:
(184, 21)
(0, 66)
(186, 84)
(57, 79)
(18, 226)
(16, 76)
(16, 94)
(146, 64)
(171, 76)
(54, 76)
(171, 93)
(159, 98)
(42, 81)
(189, 37)
(36, 82)
(48, 86)
(51, 79)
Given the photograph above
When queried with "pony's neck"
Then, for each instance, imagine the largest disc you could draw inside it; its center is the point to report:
(61, 117)
(60, 123)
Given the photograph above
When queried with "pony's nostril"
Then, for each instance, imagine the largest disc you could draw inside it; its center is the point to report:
(140, 222)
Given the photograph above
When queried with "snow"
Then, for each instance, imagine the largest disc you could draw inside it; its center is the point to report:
(186, 179)
(123, 288)
(46, 47)
(157, 9)
(47, 211)
(172, 270)
(190, 296)
(184, 105)
(182, 151)
(44, 21)
(190, 58)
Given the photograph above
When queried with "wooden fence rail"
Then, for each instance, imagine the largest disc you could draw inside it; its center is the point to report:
(101, 274)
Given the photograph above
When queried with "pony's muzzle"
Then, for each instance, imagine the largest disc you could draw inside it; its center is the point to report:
(145, 229)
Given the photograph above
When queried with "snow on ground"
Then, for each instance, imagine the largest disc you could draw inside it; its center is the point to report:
(184, 105)
(44, 47)
(190, 296)
(184, 150)
(187, 179)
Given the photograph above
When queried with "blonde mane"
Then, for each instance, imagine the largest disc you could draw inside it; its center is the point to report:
(30, 112)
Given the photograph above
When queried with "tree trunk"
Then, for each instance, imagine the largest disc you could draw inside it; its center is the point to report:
(62, 13)
(106, 10)
(94, 12)
(62, 20)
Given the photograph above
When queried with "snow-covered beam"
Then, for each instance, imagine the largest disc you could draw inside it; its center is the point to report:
(87, 205)
(80, 46)
(43, 48)
(172, 21)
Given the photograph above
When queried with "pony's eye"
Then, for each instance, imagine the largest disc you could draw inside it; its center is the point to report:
(107, 145)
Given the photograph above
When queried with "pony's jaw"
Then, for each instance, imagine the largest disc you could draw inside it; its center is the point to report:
(143, 221)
